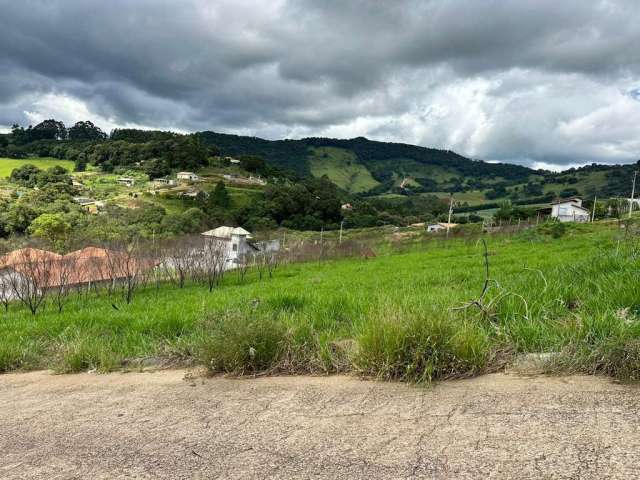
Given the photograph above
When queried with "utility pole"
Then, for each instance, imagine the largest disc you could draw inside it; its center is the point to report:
(450, 212)
(341, 225)
(633, 191)
(593, 211)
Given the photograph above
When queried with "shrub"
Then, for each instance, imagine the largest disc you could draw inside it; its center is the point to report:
(86, 351)
(241, 343)
(420, 347)
(553, 228)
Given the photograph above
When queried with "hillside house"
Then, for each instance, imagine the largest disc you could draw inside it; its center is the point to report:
(193, 193)
(567, 210)
(18, 266)
(165, 181)
(89, 204)
(438, 227)
(44, 270)
(235, 240)
(127, 181)
(188, 176)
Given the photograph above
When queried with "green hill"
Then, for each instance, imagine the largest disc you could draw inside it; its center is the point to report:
(362, 165)
(371, 168)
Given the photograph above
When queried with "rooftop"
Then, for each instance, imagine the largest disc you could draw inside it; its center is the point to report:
(226, 232)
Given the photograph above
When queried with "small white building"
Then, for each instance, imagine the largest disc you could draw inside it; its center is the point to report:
(188, 176)
(238, 245)
(235, 240)
(569, 210)
(165, 181)
(84, 201)
(127, 181)
(438, 227)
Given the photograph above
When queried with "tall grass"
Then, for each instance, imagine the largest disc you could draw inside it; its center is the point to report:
(393, 317)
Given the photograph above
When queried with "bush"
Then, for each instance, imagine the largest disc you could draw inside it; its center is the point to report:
(85, 351)
(553, 228)
(241, 343)
(420, 347)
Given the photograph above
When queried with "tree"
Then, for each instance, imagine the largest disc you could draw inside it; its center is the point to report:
(534, 189)
(55, 174)
(220, 196)
(26, 175)
(48, 130)
(86, 131)
(252, 163)
(52, 227)
(31, 276)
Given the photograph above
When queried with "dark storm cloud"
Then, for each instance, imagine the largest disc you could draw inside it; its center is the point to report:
(505, 80)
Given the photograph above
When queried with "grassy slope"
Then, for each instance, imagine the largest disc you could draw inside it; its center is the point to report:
(554, 294)
(588, 182)
(7, 165)
(342, 168)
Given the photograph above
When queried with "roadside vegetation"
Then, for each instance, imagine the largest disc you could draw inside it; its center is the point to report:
(424, 308)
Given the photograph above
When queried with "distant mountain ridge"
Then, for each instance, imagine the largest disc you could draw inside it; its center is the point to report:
(372, 166)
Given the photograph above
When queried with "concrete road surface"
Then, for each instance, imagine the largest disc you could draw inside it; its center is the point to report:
(168, 424)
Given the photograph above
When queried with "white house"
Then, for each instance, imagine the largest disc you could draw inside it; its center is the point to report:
(165, 181)
(235, 240)
(127, 181)
(569, 210)
(237, 243)
(437, 227)
(188, 176)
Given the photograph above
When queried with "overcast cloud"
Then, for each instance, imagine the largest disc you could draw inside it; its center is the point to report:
(542, 83)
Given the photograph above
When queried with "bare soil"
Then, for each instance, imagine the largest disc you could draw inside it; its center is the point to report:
(169, 424)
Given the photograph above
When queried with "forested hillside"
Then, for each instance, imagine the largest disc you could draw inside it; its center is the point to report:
(391, 177)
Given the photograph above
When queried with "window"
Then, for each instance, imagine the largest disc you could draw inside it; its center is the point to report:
(235, 247)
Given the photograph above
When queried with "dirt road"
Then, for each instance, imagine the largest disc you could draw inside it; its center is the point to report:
(159, 425)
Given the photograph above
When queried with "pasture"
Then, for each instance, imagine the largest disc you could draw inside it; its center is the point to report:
(7, 165)
(343, 168)
(423, 309)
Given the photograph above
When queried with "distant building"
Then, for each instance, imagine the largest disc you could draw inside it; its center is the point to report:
(165, 181)
(567, 210)
(238, 243)
(235, 161)
(188, 176)
(192, 193)
(346, 206)
(236, 240)
(127, 181)
(89, 204)
(44, 270)
(438, 227)
(84, 201)
(256, 180)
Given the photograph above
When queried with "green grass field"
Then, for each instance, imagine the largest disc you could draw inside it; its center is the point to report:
(342, 168)
(7, 165)
(402, 315)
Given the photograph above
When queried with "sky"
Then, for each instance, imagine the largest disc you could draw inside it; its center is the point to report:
(548, 84)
